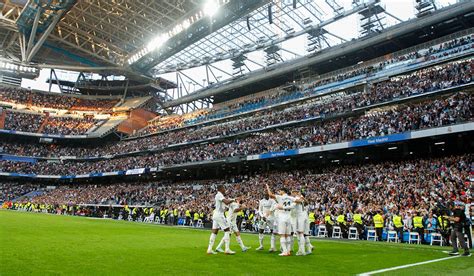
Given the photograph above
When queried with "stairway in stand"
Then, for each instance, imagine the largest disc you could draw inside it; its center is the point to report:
(43, 124)
(2, 119)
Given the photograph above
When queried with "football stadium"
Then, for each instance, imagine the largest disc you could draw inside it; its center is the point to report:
(236, 137)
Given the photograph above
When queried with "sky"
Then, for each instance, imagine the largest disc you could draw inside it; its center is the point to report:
(347, 28)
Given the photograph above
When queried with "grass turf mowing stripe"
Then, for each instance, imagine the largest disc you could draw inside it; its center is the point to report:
(39, 244)
(405, 266)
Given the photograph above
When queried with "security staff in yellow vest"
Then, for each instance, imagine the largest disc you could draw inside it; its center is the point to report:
(443, 222)
(167, 214)
(398, 224)
(378, 223)
(312, 220)
(175, 215)
(358, 224)
(188, 217)
(329, 223)
(196, 218)
(240, 218)
(134, 213)
(341, 222)
(418, 225)
(126, 211)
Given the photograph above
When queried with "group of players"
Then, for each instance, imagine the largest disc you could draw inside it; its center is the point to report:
(284, 214)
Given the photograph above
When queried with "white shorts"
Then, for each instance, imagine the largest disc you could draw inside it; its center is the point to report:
(284, 225)
(293, 221)
(233, 227)
(219, 222)
(302, 224)
(275, 225)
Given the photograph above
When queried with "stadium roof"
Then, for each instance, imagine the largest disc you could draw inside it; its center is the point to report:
(145, 39)
(163, 36)
(88, 32)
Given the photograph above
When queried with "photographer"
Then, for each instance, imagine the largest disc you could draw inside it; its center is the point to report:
(458, 219)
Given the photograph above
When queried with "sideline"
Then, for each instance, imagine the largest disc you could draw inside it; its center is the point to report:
(406, 266)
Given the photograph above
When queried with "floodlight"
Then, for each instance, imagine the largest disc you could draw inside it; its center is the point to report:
(210, 8)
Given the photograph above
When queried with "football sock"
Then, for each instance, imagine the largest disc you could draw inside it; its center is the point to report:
(289, 244)
(260, 239)
(227, 241)
(220, 243)
(212, 239)
(240, 242)
(283, 244)
(272, 241)
(301, 243)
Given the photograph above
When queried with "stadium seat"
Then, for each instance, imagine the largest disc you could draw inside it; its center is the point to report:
(267, 230)
(414, 237)
(436, 237)
(130, 218)
(336, 232)
(157, 219)
(467, 241)
(243, 226)
(372, 235)
(150, 218)
(353, 234)
(199, 224)
(392, 236)
(322, 232)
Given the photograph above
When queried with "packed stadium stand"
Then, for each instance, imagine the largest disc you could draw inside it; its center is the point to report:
(378, 125)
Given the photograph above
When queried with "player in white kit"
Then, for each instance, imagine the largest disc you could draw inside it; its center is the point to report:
(285, 204)
(301, 223)
(234, 208)
(219, 222)
(267, 219)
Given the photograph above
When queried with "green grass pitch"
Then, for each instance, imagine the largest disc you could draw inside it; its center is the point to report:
(44, 244)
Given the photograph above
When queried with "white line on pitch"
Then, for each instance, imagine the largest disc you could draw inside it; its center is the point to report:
(405, 266)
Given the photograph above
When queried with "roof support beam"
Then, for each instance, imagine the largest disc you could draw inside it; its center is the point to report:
(43, 36)
(32, 34)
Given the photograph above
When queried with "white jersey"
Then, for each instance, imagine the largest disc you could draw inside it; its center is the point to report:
(299, 209)
(287, 202)
(232, 214)
(219, 204)
(265, 207)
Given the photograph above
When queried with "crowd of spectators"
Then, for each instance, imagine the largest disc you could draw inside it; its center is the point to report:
(422, 81)
(402, 187)
(27, 97)
(69, 125)
(10, 191)
(416, 83)
(441, 50)
(394, 119)
(31, 122)
(27, 122)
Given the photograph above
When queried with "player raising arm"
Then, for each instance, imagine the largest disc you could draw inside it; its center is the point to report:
(267, 218)
(302, 224)
(219, 221)
(285, 204)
